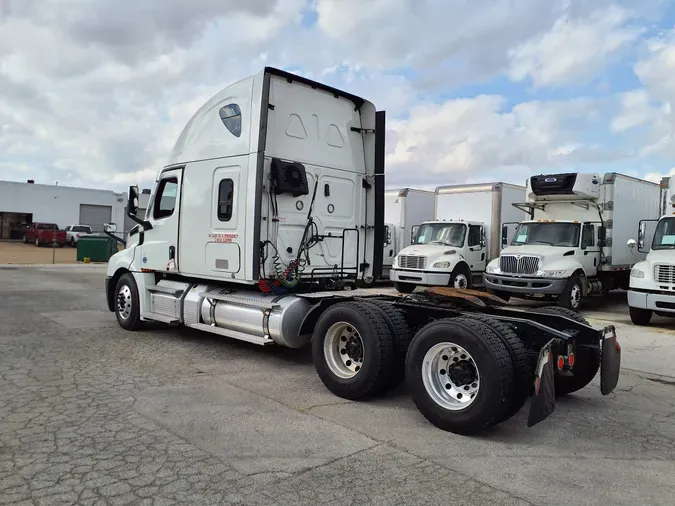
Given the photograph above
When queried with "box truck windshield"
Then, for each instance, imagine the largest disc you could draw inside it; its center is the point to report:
(441, 233)
(551, 234)
(664, 236)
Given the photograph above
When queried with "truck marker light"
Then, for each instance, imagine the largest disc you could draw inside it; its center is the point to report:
(570, 360)
(561, 362)
(146, 270)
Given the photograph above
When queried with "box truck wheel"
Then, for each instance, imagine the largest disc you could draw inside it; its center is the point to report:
(404, 287)
(460, 375)
(461, 277)
(586, 360)
(127, 309)
(353, 350)
(571, 296)
(640, 316)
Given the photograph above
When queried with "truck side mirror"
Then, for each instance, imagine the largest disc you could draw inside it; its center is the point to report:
(505, 232)
(132, 205)
(110, 228)
(602, 236)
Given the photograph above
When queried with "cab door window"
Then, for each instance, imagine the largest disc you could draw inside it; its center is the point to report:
(165, 200)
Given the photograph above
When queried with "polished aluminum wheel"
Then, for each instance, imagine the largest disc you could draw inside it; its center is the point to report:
(124, 302)
(450, 376)
(343, 350)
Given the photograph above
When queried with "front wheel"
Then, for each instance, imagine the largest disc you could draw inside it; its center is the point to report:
(72, 242)
(37, 241)
(460, 375)
(640, 316)
(571, 296)
(127, 309)
(460, 278)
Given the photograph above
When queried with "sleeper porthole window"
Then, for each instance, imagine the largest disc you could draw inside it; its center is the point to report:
(230, 115)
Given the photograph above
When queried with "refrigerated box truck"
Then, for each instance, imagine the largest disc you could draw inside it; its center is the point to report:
(454, 248)
(574, 243)
(404, 210)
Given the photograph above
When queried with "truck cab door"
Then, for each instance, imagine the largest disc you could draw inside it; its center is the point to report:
(590, 251)
(159, 247)
(389, 246)
(476, 248)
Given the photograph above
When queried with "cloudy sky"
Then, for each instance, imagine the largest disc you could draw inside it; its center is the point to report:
(94, 92)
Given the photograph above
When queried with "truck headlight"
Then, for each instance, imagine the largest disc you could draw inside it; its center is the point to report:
(636, 273)
(560, 273)
(441, 265)
(493, 269)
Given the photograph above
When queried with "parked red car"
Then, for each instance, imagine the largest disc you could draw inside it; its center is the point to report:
(45, 233)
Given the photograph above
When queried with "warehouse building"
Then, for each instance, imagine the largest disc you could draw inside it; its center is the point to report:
(25, 203)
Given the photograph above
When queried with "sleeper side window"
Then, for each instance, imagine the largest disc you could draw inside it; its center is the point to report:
(165, 200)
(225, 199)
(230, 115)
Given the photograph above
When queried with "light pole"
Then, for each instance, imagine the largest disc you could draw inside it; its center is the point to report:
(54, 241)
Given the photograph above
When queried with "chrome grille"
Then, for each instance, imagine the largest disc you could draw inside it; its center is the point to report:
(412, 262)
(511, 264)
(664, 274)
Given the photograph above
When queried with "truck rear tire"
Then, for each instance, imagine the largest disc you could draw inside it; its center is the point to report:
(587, 360)
(460, 375)
(353, 350)
(520, 361)
(640, 316)
(127, 308)
(571, 296)
(404, 287)
(401, 337)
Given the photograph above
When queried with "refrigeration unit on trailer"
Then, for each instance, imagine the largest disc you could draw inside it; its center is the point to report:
(574, 243)
(652, 280)
(271, 205)
(454, 248)
(404, 210)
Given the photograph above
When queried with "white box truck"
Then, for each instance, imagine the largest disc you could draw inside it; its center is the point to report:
(404, 210)
(454, 248)
(271, 204)
(652, 280)
(574, 244)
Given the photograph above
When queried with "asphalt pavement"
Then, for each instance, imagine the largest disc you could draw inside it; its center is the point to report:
(92, 414)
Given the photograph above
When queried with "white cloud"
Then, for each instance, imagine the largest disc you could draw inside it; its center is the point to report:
(575, 50)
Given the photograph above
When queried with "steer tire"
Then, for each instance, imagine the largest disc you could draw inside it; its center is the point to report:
(522, 369)
(404, 287)
(587, 360)
(133, 321)
(492, 361)
(573, 289)
(401, 337)
(374, 374)
(640, 316)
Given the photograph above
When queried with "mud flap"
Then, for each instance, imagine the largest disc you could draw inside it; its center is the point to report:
(543, 400)
(611, 361)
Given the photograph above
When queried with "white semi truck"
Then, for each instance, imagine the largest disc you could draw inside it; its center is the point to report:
(652, 280)
(404, 210)
(574, 243)
(454, 248)
(271, 204)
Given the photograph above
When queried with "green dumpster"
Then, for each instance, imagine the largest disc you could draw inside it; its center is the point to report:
(98, 248)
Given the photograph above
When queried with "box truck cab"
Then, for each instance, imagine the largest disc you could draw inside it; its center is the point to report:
(404, 210)
(652, 280)
(574, 245)
(454, 248)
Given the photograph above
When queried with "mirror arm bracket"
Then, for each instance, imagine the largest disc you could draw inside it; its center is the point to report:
(145, 224)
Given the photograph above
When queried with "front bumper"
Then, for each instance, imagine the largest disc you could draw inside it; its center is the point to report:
(428, 278)
(661, 302)
(517, 284)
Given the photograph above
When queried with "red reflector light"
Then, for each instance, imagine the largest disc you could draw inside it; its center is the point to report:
(570, 360)
(561, 363)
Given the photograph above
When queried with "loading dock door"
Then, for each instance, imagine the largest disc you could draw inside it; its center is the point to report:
(95, 216)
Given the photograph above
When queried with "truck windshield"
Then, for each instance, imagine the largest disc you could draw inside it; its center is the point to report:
(664, 236)
(450, 234)
(551, 234)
